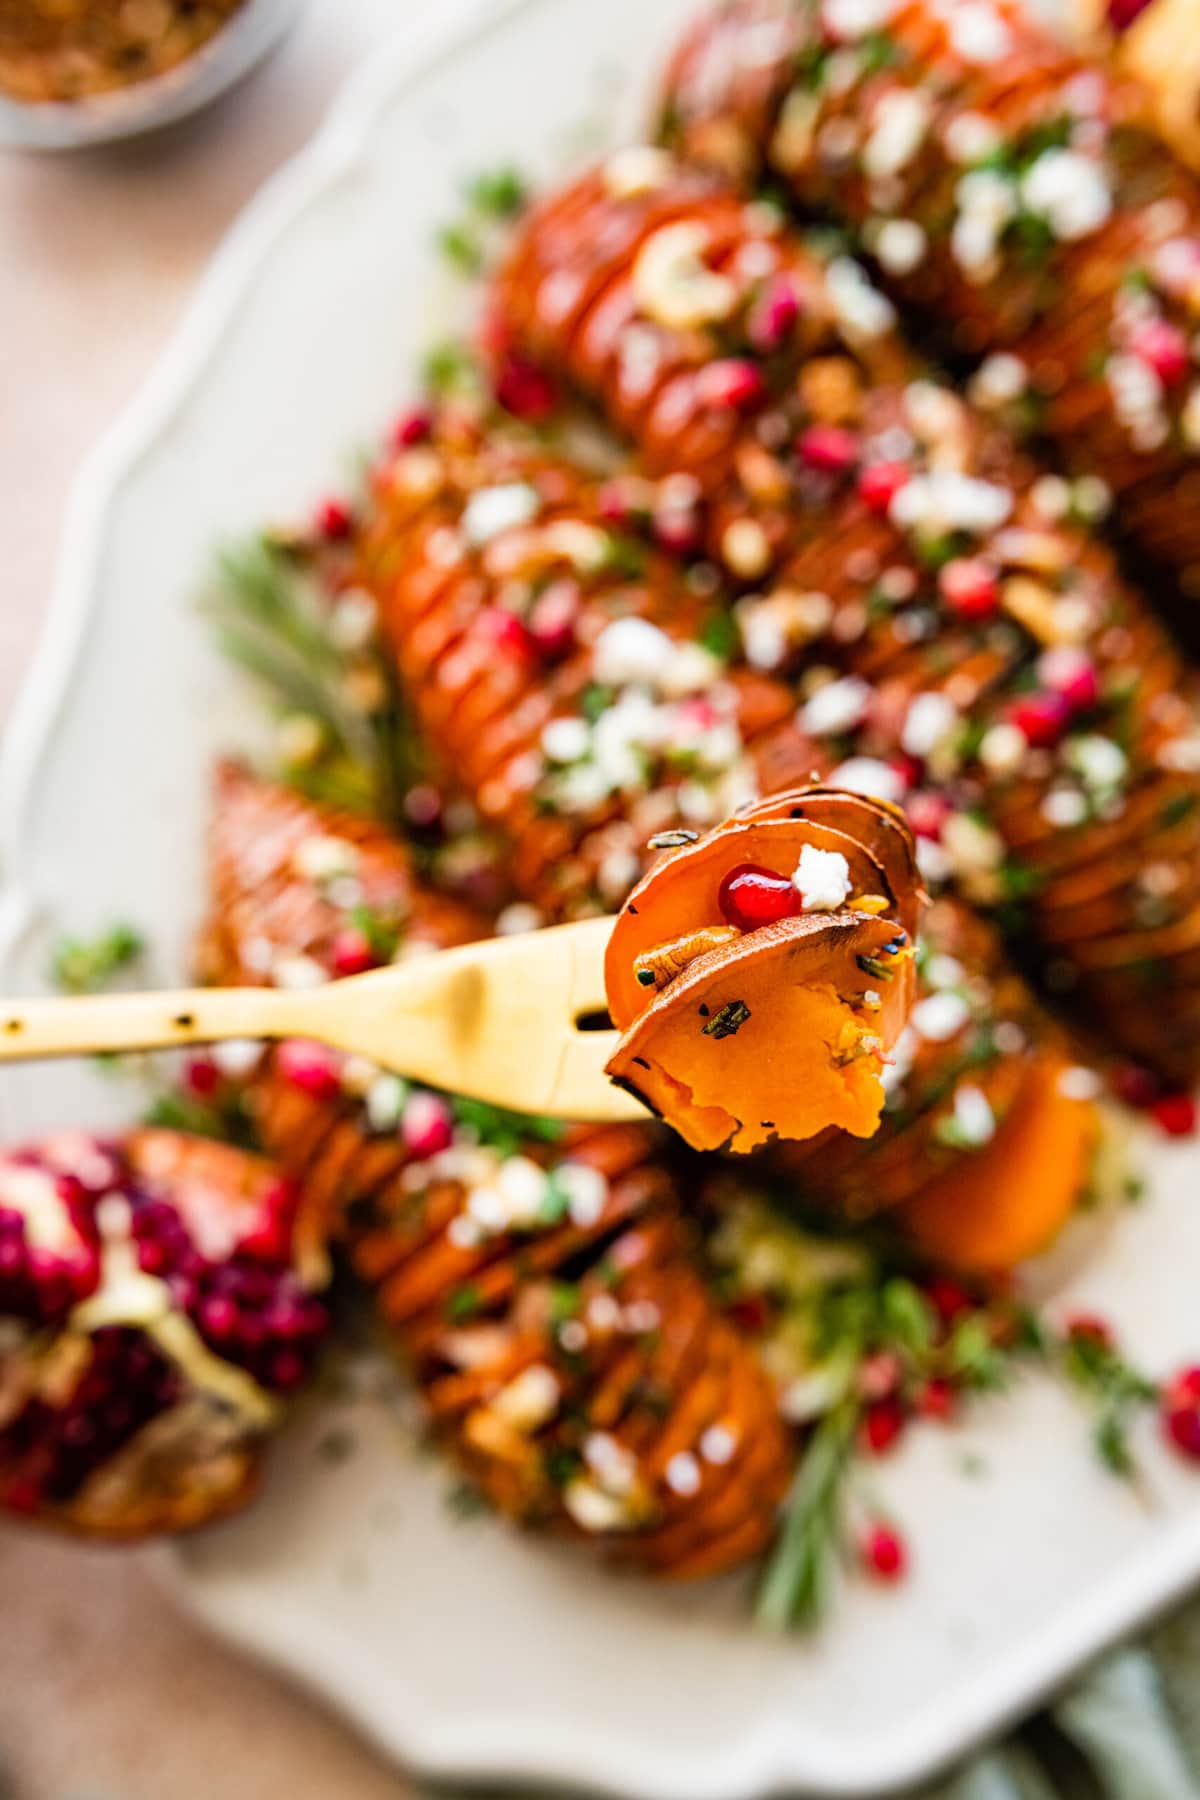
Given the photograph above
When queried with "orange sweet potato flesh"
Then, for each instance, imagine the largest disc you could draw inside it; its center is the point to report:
(1008, 1201)
(753, 1041)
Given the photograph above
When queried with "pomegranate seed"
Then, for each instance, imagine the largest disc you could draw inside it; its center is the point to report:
(525, 390)
(879, 484)
(412, 428)
(334, 519)
(970, 588)
(1163, 348)
(731, 381)
(552, 619)
(883, 1553)
(1137, 1086)
(1072, 676)
(1175, 1114)
(774, 315)
(351, 952)
(948, 1299)
(695, 716)
(882, 1424)
(751, 896)
(423, 807)
(1182, 1426)
(830, 448)
(936, 1400)
(625, 500)
(752, 1312)
(288, 1369)
(677, 529)
(310, 1067)
(879, 1375)
(927, 814)
(1122, 13)
(1091, 1329)
(1040, 718)
(218, 1317)
(1183, 1389)
(506, 632)
(201, 1076)
(426, 1124)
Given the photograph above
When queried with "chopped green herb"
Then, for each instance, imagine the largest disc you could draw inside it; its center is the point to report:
(84, 965)
(498, 193)
(719, 635)
(795, 1584)
(673, 840)
(461, 248)
(728, 1021)
(463, 1303)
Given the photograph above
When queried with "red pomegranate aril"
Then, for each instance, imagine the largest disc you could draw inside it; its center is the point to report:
(310, 1067)
(218, 1316)
(1175, 1114)
(879, 1375)
(970, 588)
(287, 1369)
(751, 896)
(1040, 718)
(1090, 1328)
(352, 952)
(751, 1312)
(412, 428)
(1136, 1085)
(830, 448)
(201, 1076)
(1163, 348)
(525, 390)
(947, 1297)
(677, 529)
(1123, 13)
(730, 381)
(334, 519)
(936, 1400)
(880, 482)
(883, 1554)
(882, 1425)
(423, 807)
(507, 633)
(426, 1124)
(1071, 675)
(1182, 1427)
(773, 316)
(927, 814)
(552, 619)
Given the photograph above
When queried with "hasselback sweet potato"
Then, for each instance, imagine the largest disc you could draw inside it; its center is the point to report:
(995, 667)
(1007, 190)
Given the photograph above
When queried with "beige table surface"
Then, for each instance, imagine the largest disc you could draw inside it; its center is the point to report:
(105, 1694)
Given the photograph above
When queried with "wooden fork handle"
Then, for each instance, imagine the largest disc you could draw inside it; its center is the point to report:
(156, 1021)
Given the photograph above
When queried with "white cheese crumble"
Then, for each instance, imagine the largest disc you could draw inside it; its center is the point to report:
(1099, 763)
(900, 245)
(837, 706)
(969, 137)
(822, 879)
(566, 740)
(683, 1475)
(867, 775)
(973, 1115)
(636, 170)
(631, 650)
(237, 1057)
(862, 311)
(945, 500)
(492, 510)
(322, 858)
(718, 1444)
(529, 1400)
(939, 1017)
(1080, 1083)
(1003, 748)
(586, 1191)
(930, 720)
(897, 132)
(853, 19)
(674, 286)
(978, 33)
(1071, 192)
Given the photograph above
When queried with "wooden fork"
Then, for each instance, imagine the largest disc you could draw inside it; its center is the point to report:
(517, 1021)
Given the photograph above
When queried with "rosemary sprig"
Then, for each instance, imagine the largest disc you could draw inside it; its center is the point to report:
(272, 619)
(86, 965)
(795, 1582)
(1113, 1387)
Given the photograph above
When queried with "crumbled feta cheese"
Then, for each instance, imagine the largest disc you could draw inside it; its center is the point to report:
(1079, 1083)
(298, 972)
(566, 740)
(746, 549)
(999, 380)
(718, 1444)
(492, 510)
(618, 871)
(237, 1057)
(930, 720)
(862, 311)
(586, 1191)
(822, 879)
(900, 245)
(638, 169)
(836, 707)
(987, 203)
(672, 283)
(932, 861)
(523, 1187)
(945, 500)
(849, 20)
(595, 1511)
(529, 1400)
(904, 1052)
(978, 33)
(353, 620)
(464, 1233)
(939, 1017)
(867, 775)
(641, 1316)
(969, 137)
(897, 132)
(1093, 497)
(322, 858)
(973, 1115)
(942, 971)
(1064, 807)
(385, 1102)
(974, 849)
(1052, 497)
(1070, 191)
(586, 547)
(632, 650)
(1003, 748)
(683, 1475)
(1098, 762)
(518, 918)
(613, 1465)
(691, 670)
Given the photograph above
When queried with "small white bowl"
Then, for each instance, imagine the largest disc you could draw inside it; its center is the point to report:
(146, 105)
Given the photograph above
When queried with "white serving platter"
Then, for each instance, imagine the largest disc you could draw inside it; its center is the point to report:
(461, 1649)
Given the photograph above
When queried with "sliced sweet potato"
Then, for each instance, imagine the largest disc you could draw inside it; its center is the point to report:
(770, 1035)
(1009, 1201)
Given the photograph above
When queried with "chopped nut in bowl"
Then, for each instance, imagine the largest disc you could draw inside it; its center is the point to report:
(81, 72)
